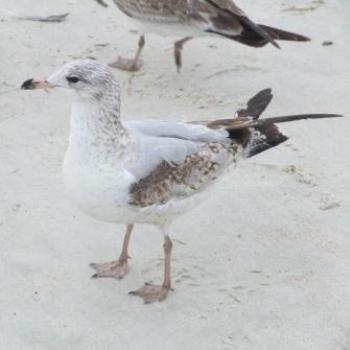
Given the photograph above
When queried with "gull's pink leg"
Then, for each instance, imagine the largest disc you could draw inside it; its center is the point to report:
(131, 65)
(151, 293)
(118, 268)
(178, 46)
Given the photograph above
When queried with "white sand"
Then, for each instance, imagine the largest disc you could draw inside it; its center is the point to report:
(265, 262)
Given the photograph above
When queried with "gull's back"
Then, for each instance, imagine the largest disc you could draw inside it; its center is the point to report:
(167, 17)
(153, 10)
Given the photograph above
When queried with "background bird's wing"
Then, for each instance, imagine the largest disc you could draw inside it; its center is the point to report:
(185, 10)
(227, 5)
(230, 18)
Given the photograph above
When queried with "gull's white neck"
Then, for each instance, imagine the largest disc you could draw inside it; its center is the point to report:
(96, 133)
(99, 147)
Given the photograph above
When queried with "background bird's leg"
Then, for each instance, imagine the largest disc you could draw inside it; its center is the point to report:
(151, 293)
(141, 44)
(178, 46)
(131, 65)
(168, 245)
(118, 268)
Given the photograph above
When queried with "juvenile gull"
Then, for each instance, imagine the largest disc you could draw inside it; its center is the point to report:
(192, 18)
(148, 171)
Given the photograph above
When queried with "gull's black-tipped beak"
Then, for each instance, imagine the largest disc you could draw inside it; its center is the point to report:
(28, 85)
(32, 84)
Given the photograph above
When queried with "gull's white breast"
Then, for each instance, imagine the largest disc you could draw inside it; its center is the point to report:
(100, 191)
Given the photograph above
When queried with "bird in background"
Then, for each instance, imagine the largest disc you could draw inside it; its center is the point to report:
(149, 171)
(196, 18)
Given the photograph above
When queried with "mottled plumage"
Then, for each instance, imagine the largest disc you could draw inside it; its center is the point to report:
(190, 18)
(148, 171)
(196, 172)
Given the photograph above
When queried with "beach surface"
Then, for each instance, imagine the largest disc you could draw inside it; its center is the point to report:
(263, 264)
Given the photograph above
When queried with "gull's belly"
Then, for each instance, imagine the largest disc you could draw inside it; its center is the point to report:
(167, 27)
(157, 18)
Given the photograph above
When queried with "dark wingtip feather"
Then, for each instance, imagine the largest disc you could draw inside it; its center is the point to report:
(266, 133)
(276, 45)
(260, 31)
(257, 104)
(279, 34)
(259, 139)
(303, 38)
(289, 118)
(269, 135)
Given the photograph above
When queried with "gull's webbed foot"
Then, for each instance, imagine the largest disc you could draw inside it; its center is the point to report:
(127, 64)
(114, 269)
(151, 293)
(131, 65)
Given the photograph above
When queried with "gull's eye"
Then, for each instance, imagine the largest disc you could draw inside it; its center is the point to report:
(72, 79)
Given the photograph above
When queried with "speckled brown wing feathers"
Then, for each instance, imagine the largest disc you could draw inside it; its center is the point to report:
(171, 181)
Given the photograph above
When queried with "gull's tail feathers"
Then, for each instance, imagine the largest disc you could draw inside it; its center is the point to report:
(257, 135)
(279, 34)
(258, 35)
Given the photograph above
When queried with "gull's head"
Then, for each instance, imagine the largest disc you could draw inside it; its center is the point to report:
(87, 78)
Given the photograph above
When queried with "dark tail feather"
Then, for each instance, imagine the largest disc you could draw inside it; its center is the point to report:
(254, 34)
(256, 105)
(258, 35)
(263, 134)
(257, 135)
(291, 118)
(279, 34)
(257, 139)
